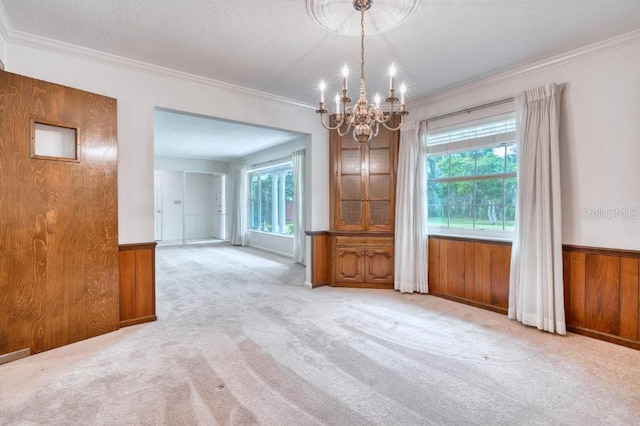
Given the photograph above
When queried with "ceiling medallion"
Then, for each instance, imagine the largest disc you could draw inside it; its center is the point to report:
(339, 16)
(364, 117)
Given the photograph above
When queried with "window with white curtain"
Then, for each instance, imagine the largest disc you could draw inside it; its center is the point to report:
(471, 177)
(271, 206)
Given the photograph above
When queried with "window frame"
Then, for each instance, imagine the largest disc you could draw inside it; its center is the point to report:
(469, 145)
(269, 170)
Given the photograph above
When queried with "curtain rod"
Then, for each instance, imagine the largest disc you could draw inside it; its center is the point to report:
(468, 110)
(268, 164)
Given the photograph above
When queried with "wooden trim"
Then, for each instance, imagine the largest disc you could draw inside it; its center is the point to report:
(137, 246)
(314, 233)
(601, 251)
(470, 303)
(35, 156)
(634, 344)
(470, 240)
(14, 356)
(141, 320)
(382, 286)
(371, 234)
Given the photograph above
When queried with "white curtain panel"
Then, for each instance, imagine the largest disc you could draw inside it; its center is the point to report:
(298, 158)
(536, 295)
(410, 267)
(239, 218)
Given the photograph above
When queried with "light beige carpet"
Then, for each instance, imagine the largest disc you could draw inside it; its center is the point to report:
(240, 341)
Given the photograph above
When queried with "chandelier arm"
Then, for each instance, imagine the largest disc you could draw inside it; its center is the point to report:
(328, 126)
(345, 131)
(388, 115)
(398, 126)
(375, 132)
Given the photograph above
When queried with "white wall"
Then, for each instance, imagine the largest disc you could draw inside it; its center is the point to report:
(172, 204)
(3, 51)
(600, 134)
(139, 90)
(220, 204)
(274, 243)
(280, 244)
(190, 165)
(273, 155)
(203, 166)
(199, 205)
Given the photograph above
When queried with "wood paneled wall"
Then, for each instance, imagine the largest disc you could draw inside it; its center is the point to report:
(319, 258)
(137, 283)
(602, 293)
(470, 271)
(601, 286)
(58, 218)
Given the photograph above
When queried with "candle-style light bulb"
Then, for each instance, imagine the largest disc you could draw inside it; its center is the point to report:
(376, 99)
(337, 103)
(392, 76)
(403, 91)
(323, 87)
(345, 76)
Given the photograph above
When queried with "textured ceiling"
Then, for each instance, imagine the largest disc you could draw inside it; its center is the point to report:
(184, 135)
(275, 46)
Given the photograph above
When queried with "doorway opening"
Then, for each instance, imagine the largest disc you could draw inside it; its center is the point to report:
(189, 207)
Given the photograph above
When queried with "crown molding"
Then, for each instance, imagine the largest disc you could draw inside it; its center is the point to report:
(579, 54)
(29, 40)
(6, 28)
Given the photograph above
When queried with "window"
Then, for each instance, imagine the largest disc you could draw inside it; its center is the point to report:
(54, 142)
(471, 177)
(271, 200)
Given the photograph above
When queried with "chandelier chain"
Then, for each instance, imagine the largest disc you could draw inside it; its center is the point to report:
(362, 46)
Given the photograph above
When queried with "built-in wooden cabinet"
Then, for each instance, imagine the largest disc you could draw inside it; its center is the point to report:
(359, 247)
(362, 260)
(363, 182)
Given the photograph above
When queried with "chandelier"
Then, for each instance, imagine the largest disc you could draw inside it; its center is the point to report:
(363, 118)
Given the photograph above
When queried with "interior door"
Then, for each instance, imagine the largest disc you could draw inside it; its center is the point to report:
(58, 215)
(157, 201)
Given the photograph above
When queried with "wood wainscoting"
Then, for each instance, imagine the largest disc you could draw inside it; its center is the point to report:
(601, 293)
(475, 272)
(601, 286)
(319, 258)
(137, 283)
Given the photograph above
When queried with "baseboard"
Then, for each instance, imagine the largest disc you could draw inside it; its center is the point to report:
(276, 252)
(380, 286)
(313, 285)
(485, 306)
(633, 344)
(134, 321)
(14, 356)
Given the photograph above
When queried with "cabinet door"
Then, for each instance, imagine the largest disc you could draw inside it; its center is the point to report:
(349, 198)
(350, 265)
(379, 265)
(363, 182)
(380, 182)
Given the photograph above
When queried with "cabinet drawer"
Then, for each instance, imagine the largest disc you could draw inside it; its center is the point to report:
(360, 241)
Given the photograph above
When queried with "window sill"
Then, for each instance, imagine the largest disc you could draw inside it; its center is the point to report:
(472, 234)
(273, 234)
